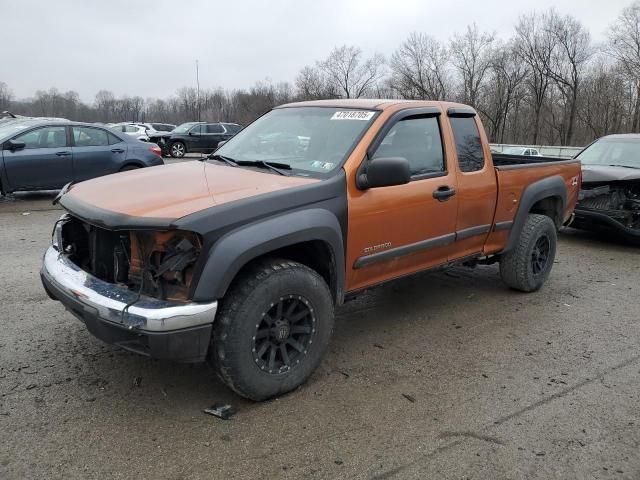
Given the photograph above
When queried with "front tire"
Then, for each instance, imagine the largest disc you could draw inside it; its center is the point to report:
(272, 330)
(529, 264)
(177, 150)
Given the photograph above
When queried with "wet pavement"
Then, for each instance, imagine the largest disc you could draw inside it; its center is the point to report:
(449, 375)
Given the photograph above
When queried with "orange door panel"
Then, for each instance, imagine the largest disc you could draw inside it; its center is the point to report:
(477, 185)
(394, 231)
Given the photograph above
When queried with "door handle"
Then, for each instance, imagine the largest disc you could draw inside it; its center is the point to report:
(117, 150)
(63, 154)
(444, 193)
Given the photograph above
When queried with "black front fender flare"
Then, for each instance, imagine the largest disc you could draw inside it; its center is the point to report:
(238, 247)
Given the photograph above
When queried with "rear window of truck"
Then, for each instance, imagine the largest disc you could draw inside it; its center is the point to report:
(468, 144)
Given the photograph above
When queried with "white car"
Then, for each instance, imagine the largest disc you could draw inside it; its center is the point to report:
(531, 152)
(136, 130)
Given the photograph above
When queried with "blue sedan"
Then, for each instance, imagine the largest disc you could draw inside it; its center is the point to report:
(45, 154)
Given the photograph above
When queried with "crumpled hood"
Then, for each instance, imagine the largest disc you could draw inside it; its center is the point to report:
(605, 173)
(173, 191)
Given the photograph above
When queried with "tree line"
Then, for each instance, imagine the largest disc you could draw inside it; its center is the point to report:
(549, 83)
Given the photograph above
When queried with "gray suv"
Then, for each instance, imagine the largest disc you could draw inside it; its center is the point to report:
(199, 137)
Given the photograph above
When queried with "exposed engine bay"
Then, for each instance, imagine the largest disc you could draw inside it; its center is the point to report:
(157, 264)
(618, 200)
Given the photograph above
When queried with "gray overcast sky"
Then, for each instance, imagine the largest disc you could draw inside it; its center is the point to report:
(149, 48)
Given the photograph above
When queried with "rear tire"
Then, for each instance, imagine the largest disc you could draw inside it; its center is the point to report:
(177, 149)
(528, 265)
(272, 329)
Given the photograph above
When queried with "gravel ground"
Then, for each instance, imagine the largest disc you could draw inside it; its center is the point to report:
(442, 376)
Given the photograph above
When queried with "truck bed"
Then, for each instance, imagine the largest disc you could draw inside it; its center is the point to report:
(506, 160)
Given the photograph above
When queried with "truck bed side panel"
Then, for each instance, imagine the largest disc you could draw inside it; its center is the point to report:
(512, 183)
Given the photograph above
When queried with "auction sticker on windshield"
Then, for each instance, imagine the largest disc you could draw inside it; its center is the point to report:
(352, 115)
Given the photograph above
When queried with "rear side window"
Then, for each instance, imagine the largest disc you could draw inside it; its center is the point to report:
(214, 128)
(418, 140)
(468, 144)
(197, 130)
(91, 137)
(113, 139)
(231, 128)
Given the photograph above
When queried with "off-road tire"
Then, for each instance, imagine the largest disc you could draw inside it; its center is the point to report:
(177, 149)
(518, 267)
(233, 343)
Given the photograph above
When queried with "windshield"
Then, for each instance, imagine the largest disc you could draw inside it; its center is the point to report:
(612, 151)
(184, 128)
(311, 140)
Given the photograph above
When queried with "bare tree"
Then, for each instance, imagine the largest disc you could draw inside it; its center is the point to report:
(624, 46)
(5, 96)
(602, 103)
(572, 50)
(471, 54)
(312, 84)
(534, 47)
(105, 103)
(419, 68)
(506, 77)
(349, 74)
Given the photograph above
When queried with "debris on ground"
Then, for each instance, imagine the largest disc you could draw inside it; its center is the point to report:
(411, 398)
(224, 412)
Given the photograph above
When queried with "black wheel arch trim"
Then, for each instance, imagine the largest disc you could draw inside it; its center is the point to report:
(546, 188)
(237, 248)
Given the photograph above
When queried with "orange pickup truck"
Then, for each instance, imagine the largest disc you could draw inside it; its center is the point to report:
(242, 258)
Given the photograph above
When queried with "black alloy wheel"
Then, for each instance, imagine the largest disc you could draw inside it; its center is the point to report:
(540, 255)
(283, 334)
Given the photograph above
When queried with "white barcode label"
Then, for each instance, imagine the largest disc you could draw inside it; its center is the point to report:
(353, 115)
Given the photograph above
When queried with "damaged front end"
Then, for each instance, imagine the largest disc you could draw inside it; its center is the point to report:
(131, 288)
(610, 205)
(156, 264)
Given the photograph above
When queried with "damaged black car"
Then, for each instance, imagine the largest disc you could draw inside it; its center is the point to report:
(610, 194)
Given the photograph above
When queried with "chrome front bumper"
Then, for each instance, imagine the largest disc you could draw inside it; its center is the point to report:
(118, 315)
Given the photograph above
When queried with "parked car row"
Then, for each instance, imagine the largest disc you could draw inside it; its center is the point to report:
(47, 153)
(190, 137)
(41, 154)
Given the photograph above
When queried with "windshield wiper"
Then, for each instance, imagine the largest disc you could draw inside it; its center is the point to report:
(222, 158)
(274, 166)
(625, 166)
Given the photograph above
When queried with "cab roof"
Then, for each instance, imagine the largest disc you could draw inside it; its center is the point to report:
(372, 103)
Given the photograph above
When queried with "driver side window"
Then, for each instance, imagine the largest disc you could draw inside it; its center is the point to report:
(46, 137)
(418, 140)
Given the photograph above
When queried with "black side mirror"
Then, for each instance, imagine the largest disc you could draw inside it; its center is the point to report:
(385, 172)
(190, 133)
(15, 145)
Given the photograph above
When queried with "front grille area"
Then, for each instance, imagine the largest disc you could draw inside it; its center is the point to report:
(158, 264)
(620, 201)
